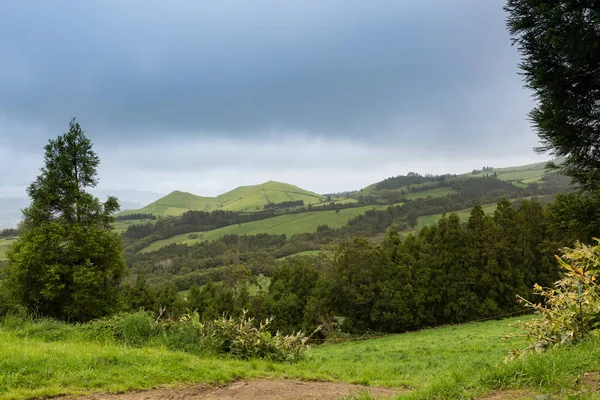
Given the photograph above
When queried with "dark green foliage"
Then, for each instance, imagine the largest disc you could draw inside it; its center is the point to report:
(560, 46)
(9, 233)
(574, 217)
(285, 204)
(129, 217)
(412, 178)
(67, 262)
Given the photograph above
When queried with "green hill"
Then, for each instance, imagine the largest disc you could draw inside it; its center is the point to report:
(244, 198)
(251, 198)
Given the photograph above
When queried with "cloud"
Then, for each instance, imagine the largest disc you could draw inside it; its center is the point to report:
(193, 94)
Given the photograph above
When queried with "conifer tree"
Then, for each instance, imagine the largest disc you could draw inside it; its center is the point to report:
(67, 262)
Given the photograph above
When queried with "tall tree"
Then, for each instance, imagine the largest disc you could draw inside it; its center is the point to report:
(559, 41)
(67, 262)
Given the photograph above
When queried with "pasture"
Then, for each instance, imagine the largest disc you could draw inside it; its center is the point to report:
(288, 224)
(48, 358)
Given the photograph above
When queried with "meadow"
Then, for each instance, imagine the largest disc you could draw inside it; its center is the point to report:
(288, 224)
(49, 358)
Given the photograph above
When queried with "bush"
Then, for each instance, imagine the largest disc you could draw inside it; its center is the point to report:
(134, 329)
(569, 312)
(240, 338)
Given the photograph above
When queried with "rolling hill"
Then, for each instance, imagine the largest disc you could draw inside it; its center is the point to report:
(243, 198)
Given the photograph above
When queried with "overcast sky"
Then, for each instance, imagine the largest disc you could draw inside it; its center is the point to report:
(204, 96)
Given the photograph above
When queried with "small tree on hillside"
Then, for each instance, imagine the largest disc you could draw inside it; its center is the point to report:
(67, 262)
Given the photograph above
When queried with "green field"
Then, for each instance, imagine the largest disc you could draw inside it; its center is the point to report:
(464, 215)
(244, 198)
(288, 224)
(526, 173)
(121, 226)
(435, 192)
(465, 361)
(4, 245)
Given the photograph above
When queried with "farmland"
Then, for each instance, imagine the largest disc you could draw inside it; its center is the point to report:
(288, 224)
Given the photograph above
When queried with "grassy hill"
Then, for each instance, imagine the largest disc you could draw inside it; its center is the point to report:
(48, 358)
(244, 198)
(288, 224)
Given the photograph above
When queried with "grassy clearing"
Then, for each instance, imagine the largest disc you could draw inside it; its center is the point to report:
(4, 245)
(464, 361)
(289, 224)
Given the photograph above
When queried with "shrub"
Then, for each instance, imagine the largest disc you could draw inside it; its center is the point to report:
(241, 338)
(134, 329)
(570, 311)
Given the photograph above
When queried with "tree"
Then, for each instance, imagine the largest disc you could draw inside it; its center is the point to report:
(67, 263)
(559, 41)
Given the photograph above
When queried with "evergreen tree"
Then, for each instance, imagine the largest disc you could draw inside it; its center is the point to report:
(558, 41)
(67, 262)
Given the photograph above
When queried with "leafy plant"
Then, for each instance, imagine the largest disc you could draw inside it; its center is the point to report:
(241, 338)
(569, 312)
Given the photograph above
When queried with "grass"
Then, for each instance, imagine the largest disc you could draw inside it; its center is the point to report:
(288, 224)
(464, 361)
(121, 226)
(526, 173)
(464, 215)
(5, 243)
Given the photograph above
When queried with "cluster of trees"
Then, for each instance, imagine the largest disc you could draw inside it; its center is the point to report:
(412, 178)
(447, 273)
(284, 204)
(134, 216)
(9, 232)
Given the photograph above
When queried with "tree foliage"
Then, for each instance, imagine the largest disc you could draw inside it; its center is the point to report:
(67, 263)
(570, 310)
(559, 41)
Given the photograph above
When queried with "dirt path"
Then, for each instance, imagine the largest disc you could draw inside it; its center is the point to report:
(266, 389)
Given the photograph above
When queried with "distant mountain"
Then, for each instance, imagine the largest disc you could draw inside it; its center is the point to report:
(243, 198)
(10, 207)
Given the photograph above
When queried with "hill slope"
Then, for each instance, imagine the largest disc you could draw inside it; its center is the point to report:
(243, 198)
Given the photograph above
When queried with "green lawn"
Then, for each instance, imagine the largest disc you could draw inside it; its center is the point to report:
(289, 224)
(453, 362)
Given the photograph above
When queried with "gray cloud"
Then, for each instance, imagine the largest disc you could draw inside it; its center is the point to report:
(436, 78)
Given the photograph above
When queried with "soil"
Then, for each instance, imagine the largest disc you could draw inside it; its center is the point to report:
(266, 389)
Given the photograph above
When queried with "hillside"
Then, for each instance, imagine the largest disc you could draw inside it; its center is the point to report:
(461, 361)
(288, 224)
(243, 199)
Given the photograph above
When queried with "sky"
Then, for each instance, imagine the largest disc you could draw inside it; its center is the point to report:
(205, 96)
